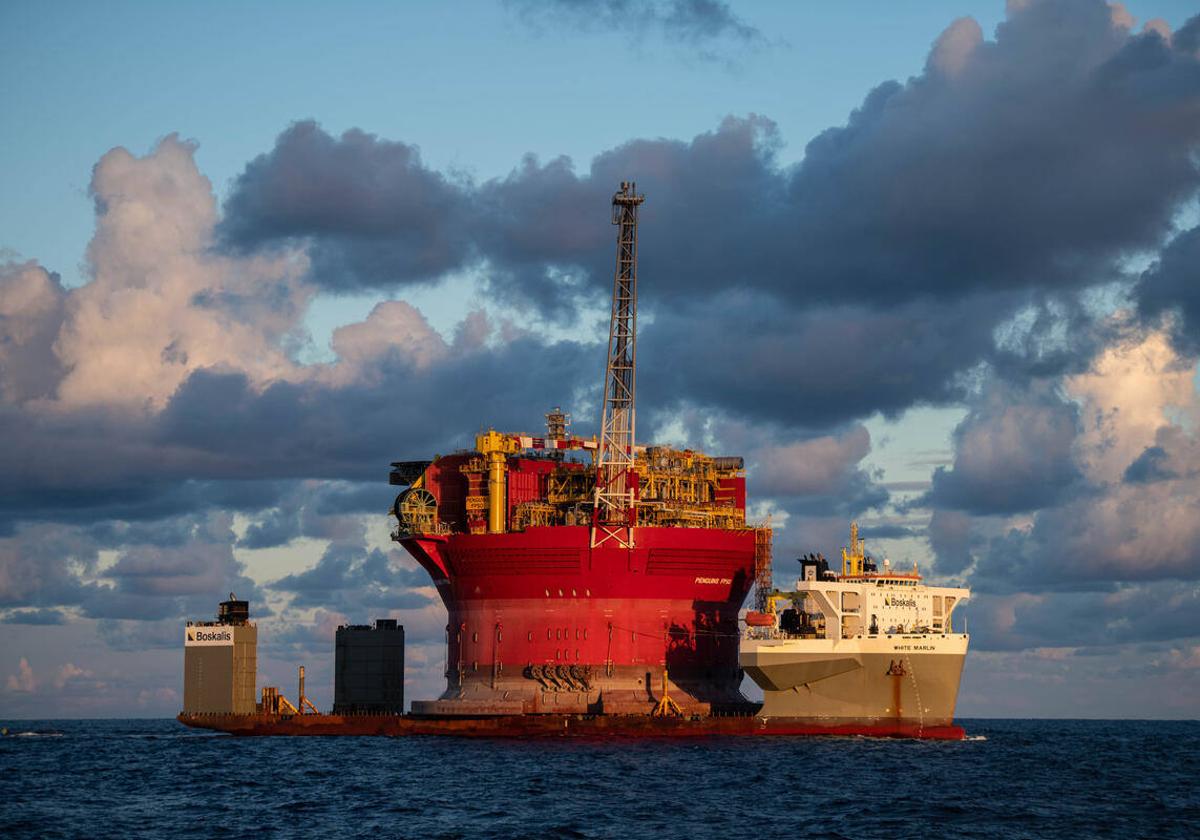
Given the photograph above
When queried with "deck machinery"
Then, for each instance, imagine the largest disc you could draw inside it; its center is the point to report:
(586, 575)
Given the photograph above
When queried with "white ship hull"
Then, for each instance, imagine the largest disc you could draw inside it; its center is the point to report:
(868, 680)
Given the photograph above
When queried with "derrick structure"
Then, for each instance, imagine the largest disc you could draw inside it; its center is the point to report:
(615, 514)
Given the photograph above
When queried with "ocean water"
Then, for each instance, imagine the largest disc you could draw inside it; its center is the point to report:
(1018, 779)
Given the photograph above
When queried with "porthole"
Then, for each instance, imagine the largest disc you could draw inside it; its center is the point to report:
(558, 635)
(573, 594)
(560, 593)
(474, 637)
(474, 666)
(547, 634)
(585, 634)
(531, 635)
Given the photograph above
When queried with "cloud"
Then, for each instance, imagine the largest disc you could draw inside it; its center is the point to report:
(31, 313)
(35, 617)
(950, 537)
(40, 566)
(1151, 465)
(872, 276)
(810, 467)
(24, 680)
(326, 510)
(1113, 616)
(1079, 485)
(49, 567)
(68, 672)
(1134, 389)
(693, 22)
(371, 213)
(1169, 288)
(1003, 175)
(954, 48)
(1014, 451)
(160, 303)
(816, 477)
(350, 578)
(814, 369)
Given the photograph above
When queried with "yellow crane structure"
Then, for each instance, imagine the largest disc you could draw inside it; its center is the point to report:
(274, 703)
(854, 555)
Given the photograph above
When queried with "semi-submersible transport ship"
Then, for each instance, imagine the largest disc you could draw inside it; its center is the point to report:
(594, 586)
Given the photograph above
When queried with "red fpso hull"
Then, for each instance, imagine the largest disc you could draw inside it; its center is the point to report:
(540, 622)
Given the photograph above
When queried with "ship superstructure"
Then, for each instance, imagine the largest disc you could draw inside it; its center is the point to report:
(586, 574)
(865, 648)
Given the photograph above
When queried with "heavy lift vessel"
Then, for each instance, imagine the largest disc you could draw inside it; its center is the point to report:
(592, 585)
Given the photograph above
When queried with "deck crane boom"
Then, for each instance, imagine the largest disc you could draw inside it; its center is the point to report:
(614, 514)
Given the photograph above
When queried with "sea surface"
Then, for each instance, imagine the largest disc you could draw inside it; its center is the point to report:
(1011, 778)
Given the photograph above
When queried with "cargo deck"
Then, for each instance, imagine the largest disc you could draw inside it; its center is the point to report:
(558, 726)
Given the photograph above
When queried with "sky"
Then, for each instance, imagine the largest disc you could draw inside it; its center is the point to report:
(931, 267)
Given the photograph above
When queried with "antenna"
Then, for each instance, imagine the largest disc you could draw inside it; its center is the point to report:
(615, 514)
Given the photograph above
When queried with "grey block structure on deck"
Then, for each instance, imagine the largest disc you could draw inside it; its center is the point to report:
(369, 669)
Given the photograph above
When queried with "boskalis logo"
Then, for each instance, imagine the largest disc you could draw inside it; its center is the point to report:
(895, 601)
(209, 636)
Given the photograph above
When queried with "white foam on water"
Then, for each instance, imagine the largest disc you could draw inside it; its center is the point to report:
(975, 738)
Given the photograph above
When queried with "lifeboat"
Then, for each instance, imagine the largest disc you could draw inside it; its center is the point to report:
(758, 619)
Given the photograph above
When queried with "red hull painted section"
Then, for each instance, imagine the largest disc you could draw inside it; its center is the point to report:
(558, 726)
(543, 596)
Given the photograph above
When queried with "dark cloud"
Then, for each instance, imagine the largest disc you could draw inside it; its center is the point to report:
(1113, 616)
(1004, 168)
(883, 531)
(35, 617)
(694, 22)
(1013, 452)
(350, 579)
(223, 443)
(968, 204)
(815, 368)
(1172, 287)
(41, 567)
(373, 215)
(950, 537)
(1152, 465)
(352, 432)
(1126, 533)
(828, 464)
(320, 510)
(47, 567)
